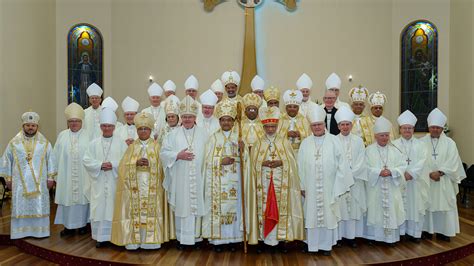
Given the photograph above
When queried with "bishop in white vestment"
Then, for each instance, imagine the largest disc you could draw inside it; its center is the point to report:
(128, 132)
(386, 168)
(156, 109)
(353, 204)
(445, 173)
(29, 167)
(91, 119)
(101, 161)
(415, 193)
(182, 155)
(325, 176)
(72, 181)
(207, 120)
(304, 84)
(333, 83)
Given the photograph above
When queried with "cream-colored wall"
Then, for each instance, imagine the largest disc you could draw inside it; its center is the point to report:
(461, 84)
(170, 39)
(28, 53)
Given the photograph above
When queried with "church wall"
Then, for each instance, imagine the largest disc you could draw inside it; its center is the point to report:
(28, 65)
(461, 120)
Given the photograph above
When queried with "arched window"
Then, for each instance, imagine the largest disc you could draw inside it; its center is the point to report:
(419, 70)
(84, 46)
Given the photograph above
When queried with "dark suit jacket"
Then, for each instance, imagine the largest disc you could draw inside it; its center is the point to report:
(334, 129)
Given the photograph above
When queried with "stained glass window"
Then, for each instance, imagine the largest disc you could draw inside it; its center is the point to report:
(419, 70)
(84, 62)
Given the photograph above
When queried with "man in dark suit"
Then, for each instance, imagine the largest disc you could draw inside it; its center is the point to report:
(329, 100)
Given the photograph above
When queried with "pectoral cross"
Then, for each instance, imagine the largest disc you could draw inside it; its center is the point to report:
(317, 156)
(249, 66)
(434, 155)
(408, 161)
(28, 157)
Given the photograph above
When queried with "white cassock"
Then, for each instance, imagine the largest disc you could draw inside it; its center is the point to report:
(325, 175)
(442, 215)
(385, 210)
(91, 122)
(338, 104)
(353, 204)
(103, 183)
(211, 124)
(415, 192)
(306, 106)
(126, 131)
(159, 116)
(184, 182)
(72, 181)
(30, 194)
(222, 225)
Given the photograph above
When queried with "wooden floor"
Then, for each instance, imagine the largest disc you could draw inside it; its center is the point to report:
(84, 247)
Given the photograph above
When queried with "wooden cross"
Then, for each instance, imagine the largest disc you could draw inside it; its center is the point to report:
(249, 66)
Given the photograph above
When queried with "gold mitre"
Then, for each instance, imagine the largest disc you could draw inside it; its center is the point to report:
(30, 118)
(271, 93)
(172, 105)
(226, 108)
(74, 111)
(358, 94)
(252, 99)
(188, 106)
(269, 115)
(377, 99)
(144, 120)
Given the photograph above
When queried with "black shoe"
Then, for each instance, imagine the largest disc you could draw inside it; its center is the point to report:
(443, 237)
(82, 230)
(197, 246)
(392, 245)
(352, 243)
(339, 243)
(305, 248)
(426, 235)
(218, 248)
(67, 232)
(326, 253)
(371, 243)
(179, 246)
(100, 244)
(232, 247)
(415, 240)
(283, 248)
(260, 248)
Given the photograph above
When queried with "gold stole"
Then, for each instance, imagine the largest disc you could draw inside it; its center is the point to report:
(301, 126)
(218, 216)
(259, 133)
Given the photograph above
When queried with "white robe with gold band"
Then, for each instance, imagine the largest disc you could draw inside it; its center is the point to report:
(442, 215)
(385, 210)
(72, 181)
(103, 183)
(415, 193)
(222, 223)
(28, 163)
(325, 176)
(184, 183)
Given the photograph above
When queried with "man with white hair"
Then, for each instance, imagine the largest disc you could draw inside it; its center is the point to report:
(29, 166)
(353, 204)
(325, 175)
(101, 161)
(333, 83)
(304, 84)
(258, 87)
(155, 92)
(218, 88)
(72, 180)
(293, 125)
(182, 155)
(91, 118)
(128, 132)
(386, 169)
(415, 193)
(207, 120)
(445, 173)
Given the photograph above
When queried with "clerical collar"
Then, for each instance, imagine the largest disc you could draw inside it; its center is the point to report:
(143, 142)
(407, 140)
(382, 147)
(188, 129)
(107, 138)
(346, 136)
(320, 137)
(227, 133)
(130, 124)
